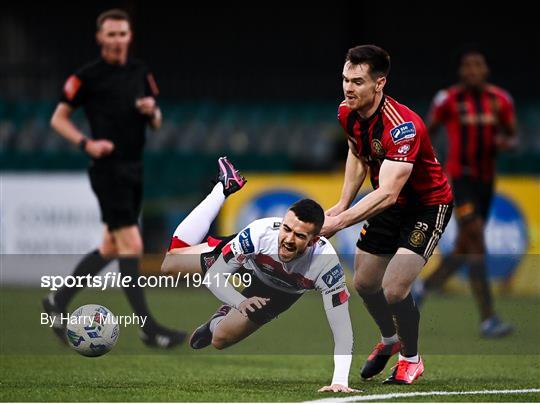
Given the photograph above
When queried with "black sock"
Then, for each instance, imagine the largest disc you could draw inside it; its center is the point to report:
(129, 266)
(407, 318)
(377, 306)
(91, 264)
(480, 288)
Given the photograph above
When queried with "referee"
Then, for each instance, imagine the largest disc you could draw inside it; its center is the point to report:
(118, 95)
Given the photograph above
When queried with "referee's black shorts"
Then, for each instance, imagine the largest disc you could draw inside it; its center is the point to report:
(119, 189)
(417, 229)
(473, 198)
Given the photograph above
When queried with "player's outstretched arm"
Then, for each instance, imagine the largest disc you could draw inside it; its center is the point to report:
(392, 177)
(216, 280)
(340, 323)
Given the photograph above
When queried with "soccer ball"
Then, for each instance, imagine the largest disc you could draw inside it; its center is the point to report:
(92, 330)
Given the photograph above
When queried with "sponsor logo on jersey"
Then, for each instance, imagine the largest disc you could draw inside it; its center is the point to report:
(404, 149)
(335, 288)
(404, 131)
(276, 225)
(332, 276)
(279, 282)
(245, 242)
(234, 247)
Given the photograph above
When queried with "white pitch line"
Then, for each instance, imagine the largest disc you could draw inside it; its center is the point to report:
(374, 397)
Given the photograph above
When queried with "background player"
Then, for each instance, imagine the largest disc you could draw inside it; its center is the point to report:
(118, 95)
(406, 213)
(285, 257)
(480, 120)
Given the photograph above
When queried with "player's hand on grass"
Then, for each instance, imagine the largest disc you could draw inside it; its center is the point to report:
(99, 148)
(337, 388)
(146, 105)
(252, 304)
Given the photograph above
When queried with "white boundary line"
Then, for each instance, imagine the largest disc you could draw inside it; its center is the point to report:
(374, 397)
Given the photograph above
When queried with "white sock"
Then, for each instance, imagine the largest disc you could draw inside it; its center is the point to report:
(412, 359)
(214, 323)
(390, 340)
(196, 225)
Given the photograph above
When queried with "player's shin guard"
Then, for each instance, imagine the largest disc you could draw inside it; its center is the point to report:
(379, 309)
(407, 319)
(91, 264)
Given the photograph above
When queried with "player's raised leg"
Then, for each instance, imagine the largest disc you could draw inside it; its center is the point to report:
(186, 247)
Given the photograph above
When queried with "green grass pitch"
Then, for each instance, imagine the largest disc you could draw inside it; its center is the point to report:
(287, 360)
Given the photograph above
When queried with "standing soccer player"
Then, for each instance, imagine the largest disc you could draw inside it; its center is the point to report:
(118, 95)
(480, 120)
(406, 213)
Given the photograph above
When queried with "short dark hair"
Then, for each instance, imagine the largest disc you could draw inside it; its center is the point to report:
(469, 49)
(309, 211)
(376, 58)
(112, 14)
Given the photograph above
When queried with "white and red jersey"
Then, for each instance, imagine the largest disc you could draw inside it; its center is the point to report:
(256, 248)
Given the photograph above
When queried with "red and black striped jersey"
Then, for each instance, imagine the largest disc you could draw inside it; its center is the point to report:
(395, 132)
(473, 119)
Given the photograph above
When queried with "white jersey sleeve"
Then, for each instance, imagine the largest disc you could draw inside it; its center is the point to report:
(331, 279)
(216, 279)
(340, 323)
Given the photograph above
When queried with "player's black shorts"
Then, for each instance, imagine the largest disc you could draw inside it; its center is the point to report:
(416, 229)
(473, 198)
(119, 190)
(279, 301)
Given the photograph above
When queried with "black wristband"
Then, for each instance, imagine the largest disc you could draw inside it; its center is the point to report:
(82, 144)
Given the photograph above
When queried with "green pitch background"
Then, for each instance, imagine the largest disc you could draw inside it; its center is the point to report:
(287, 360)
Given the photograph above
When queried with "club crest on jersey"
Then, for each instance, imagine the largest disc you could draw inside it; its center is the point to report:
(245, 242)
(209, 261)
(404, 131)
(332, 276)
(377, 148)
(417, 238)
